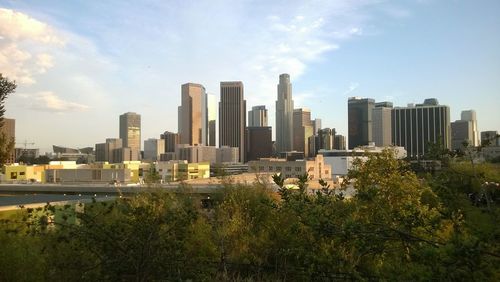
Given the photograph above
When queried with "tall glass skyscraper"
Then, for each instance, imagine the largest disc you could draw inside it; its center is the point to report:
(284, 115)
(359, 121)
(257, 116)
(212, 119)
(232, 116)
(193, 115)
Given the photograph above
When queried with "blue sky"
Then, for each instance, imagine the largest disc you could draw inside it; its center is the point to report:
(80, 64)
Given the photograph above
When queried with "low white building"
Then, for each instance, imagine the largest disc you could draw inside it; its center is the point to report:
(341, 160)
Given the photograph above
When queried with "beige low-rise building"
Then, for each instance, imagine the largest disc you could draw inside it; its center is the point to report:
(314, 167)
(182, 170)
(87, 175)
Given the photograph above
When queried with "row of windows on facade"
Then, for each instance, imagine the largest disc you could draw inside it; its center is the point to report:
(278, 168)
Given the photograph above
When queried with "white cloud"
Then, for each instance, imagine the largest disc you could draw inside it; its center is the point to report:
(25, 45)
(50, 102)
(17, 26)
(44, 62)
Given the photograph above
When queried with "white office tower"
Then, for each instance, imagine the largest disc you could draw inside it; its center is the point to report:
(470, 115)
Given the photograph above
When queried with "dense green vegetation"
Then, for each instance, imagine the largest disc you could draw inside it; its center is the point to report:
(7, 87)
(399, 226)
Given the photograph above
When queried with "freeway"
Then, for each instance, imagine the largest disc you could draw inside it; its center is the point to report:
(13, 196)
(101, 189)
(14, 202)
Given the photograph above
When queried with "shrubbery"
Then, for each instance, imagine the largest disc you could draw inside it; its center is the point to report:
(397, 227)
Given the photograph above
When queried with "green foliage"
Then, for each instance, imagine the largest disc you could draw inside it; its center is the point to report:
(152, 177)
(7, 87)
(6, 147)
(396, 227)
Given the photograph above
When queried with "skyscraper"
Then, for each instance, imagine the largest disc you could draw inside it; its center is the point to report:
(284, 115)
(415, 127)
(193, 116)
(302, 130)
(212, 119)
(171, 140)
(259, 142)
(382, 126)
(326, 139)
(339, 143)
(257, 116)
(130, 133)
(316, 125)
(461, 132)
(104, 151)
(470, 115)
(359, 121)
(232, 116)
(153, 148)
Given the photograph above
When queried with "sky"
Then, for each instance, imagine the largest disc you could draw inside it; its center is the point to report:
(80, 64)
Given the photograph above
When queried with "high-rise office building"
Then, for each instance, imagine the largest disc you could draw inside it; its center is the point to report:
(461, 134)
(470, 115)
(153, 148)
(302, 130)
(284, 115)
(382, 126)
(339, 142)
(8, 129)
(316, 125)
(259, 142)
(130, 133)
(326, 139)
(257, 116)
(232, 116)
(415, 127)
(313, 145)
(212, 133)
(212, 119)
(104, 151)
(171, 140)
(120, 155)
(193, 115)
(359, 121)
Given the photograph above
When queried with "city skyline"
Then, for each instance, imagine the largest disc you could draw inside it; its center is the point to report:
(77, 69)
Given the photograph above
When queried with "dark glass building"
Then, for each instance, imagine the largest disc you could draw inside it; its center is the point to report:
(259, 142)
(232, 116)
(359, 112)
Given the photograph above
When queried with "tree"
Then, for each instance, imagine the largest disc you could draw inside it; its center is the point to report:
(152, 178)
(6, 87)
(6, 146)
(396, 219)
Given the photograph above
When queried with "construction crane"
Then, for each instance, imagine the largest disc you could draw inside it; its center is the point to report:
(26, 143)
(25, 148)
